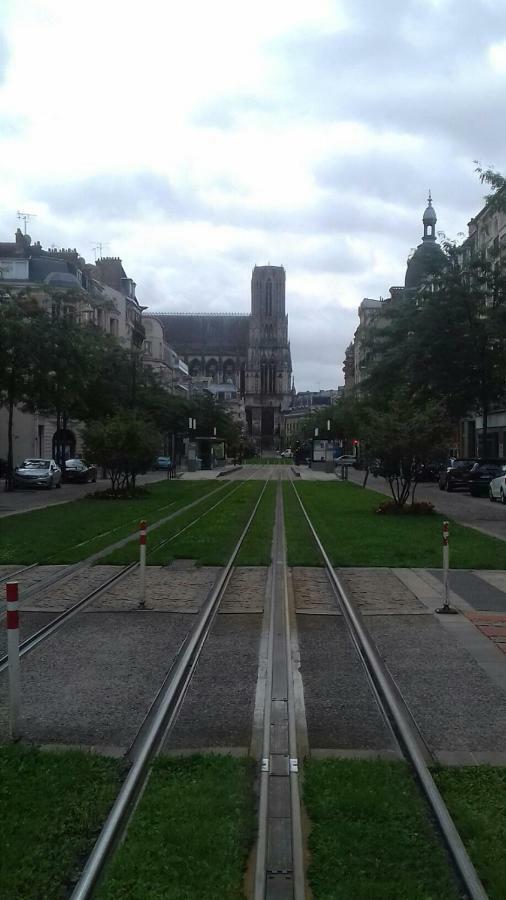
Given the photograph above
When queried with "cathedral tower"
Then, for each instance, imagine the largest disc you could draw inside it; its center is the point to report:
(269, 365)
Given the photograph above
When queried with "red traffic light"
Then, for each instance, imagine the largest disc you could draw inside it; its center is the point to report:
(355, 442)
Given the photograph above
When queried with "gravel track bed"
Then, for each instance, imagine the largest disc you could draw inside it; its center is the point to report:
(29, 623)
(455, 704)
(218, 709)
(92, 682)
(340, 708)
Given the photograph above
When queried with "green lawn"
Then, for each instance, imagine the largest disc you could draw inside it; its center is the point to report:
(354, 535)
(370, 835)
(52, 805)
(73, 531)
(256, 550)
(476, 797)
(267, 461)
(191, 834)
(211, 540)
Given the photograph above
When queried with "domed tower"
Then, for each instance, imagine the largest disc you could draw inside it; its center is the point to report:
(428, 258)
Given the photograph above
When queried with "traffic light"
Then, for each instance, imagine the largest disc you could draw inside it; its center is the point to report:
(355, 442)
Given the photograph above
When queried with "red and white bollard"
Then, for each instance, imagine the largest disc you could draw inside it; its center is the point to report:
(11, 592)
(142, 563)
(446, 608)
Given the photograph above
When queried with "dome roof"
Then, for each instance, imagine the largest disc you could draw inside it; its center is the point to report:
(429, 216)
(428, 259)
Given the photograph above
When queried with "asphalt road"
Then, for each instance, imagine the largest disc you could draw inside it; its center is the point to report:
(24, 500)
(477, 512)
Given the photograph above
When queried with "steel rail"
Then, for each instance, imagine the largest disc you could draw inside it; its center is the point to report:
(20, 571)
(404, 729)
(165, 708)
(46, 631)
(76, 567)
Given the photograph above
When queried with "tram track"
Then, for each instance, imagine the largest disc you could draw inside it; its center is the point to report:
(42, 634)
(397, 715)
(157, 723)
(55, 578)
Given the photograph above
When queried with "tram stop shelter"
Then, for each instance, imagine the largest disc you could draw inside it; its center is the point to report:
(205, 453)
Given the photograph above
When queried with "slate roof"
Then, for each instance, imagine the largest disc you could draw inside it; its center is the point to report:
(205, 334)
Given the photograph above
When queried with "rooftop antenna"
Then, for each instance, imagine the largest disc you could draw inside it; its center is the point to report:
(25, 216)
(98, 249)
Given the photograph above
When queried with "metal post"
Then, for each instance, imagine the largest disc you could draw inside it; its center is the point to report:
(446, 608)
(142, 563)
(11, 590)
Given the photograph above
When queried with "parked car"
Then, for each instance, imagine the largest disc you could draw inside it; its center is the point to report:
(78, 470)
(38, 473)
(162, 462)
(345, 460)
(455, 474)
(287, 454)
(497, 487)
(482, 474)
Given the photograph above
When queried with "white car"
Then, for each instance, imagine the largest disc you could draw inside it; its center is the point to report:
(345, 460)
(287, 454)
(497, 487)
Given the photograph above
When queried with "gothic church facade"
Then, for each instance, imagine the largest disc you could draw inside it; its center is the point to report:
(252, 351)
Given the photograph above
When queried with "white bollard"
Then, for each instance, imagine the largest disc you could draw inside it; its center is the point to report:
(11, 591)
(446, 608)
(142, 563)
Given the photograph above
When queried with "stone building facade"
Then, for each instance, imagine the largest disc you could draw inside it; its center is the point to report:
(251, 351)
(62, 283)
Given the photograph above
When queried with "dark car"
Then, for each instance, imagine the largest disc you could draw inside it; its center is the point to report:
(482, 474)
(455, 474)
(162, 462)
(78, 471)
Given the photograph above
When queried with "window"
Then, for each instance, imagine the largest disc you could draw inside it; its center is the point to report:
(113, 327)
(148, 347)
(268, 298)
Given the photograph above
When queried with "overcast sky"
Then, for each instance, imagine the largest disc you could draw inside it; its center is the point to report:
(196, 139)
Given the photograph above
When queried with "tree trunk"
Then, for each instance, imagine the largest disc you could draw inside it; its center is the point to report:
(9, 475)
(485, 430)
(62, 443)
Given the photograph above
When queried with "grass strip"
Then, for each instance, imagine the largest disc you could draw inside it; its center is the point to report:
(210, 541)
(353, 534)
(256, 549)
(190, 835)
(371, 838)
(475, 796)
(268, 461)
(52, 805)
(73, 531)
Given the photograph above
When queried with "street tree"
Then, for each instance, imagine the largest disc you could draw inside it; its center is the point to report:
(403, 434)
(446, 343)
(123, 445)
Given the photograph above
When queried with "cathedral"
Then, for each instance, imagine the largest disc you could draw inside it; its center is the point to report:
(252, 351)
